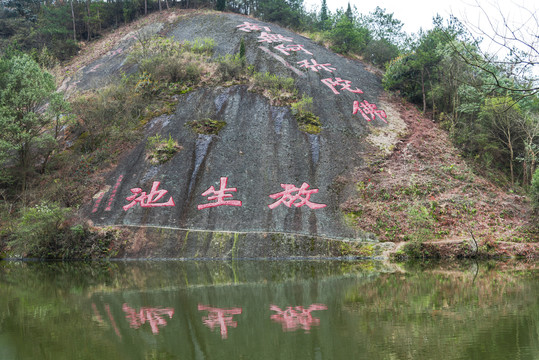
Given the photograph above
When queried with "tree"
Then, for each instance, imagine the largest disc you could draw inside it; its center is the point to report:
(23, 90)
(323, 15)
(284, 12)
(534, 190)
(221, 5)
(346, 37)
(500, 115)
(518, 39)
(384, 26)
(529, 127)
(349, 13)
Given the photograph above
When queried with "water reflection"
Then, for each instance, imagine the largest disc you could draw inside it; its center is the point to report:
(221, 318)
(154, 316)
(268, 310)
(297, 317)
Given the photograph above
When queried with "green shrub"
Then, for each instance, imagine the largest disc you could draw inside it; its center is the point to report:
(43, 232)
(303, 113)
(274, 86)
(38, 230)
(230, 67)
(345, 37)
(199, 46)
(206, 126)
(156, 47)
(121, 102)
(421, 223)
(161, 150)
(183, 68)
(534, 190)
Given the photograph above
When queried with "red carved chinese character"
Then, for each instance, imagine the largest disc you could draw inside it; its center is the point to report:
(113, 195)
(148, 200)
(145, 314)
(368, 111)
(315, 66)
(344, 84)
(247, 27)
(271, 38)
(293, 318)
(218, 317)
(220, 196)
(302, 195)
(285, 49)
(116, 52)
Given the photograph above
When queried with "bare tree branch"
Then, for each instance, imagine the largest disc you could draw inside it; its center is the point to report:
(518, 42)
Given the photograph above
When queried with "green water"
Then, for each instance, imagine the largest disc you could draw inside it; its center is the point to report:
(268, 310)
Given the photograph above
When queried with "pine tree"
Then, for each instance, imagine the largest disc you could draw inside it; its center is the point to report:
(324, 12)
(221, 5)
(348, 13)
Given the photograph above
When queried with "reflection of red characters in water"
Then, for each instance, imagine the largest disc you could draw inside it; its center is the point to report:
(293, 318)
(145, 314)
(219, 317)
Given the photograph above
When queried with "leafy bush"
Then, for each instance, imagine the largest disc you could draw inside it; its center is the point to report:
(95, 110)
(534, 190)
(182, 68)
(303, 113)
(230, 67)
(345, 37)
(380, 52)
(421, 223)
(275, 87)
(43, 232)
(161, 150)
(200, 46)
(38, 227)
(206, 126)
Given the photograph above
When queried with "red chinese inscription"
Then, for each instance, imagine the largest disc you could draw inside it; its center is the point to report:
(295, 196)
(271, 38)
(220, 317)
(153, 316)
(113, 194)
(314, 66)
(220, 195)
(248, 27)
(285, 49)
(369, 111)
(148, 200)
(297, 317)
(344, 84)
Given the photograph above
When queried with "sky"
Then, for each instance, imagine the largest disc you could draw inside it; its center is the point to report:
(483, 18)
(416, 14)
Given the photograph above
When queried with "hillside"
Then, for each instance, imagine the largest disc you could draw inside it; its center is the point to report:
(263, 185)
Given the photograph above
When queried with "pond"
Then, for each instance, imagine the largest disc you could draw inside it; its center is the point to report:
(268, 310)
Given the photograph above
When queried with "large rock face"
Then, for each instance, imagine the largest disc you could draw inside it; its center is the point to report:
(260, 152)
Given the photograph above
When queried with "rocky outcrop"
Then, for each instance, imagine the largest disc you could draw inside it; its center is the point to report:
(260, 174)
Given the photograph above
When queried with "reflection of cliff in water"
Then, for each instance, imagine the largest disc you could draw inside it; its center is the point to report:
(267, 310)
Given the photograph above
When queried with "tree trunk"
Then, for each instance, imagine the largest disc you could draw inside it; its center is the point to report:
(73, 17)
(145, 7)
(159, 1)
(88, 21)
(511, 154)
(423, 92)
